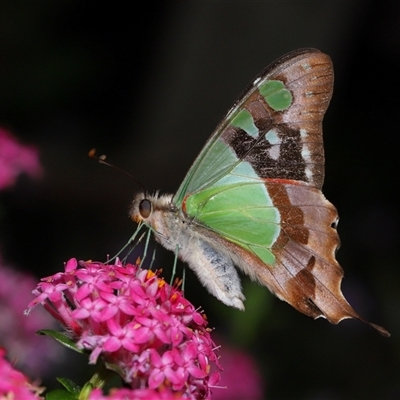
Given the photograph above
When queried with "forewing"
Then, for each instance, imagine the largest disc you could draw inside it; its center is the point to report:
(275, 126)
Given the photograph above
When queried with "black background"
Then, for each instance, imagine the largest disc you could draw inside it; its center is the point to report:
(147, 85)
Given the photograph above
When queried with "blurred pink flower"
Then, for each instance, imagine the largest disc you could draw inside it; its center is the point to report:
(14, 384)
(15, 159)
(142, 326)
(31, 353)
(241, 378)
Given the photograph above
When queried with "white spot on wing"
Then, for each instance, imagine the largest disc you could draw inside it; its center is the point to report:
(272, 137)
(308, 173)
(305, 153)
(274, 151)
(275, 142)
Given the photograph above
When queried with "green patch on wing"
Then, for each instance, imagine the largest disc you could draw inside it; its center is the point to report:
(244, 120)
(215, 161)
(240, 212)
(276, 95)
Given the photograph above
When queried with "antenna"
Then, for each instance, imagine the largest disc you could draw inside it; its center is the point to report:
(102, 160)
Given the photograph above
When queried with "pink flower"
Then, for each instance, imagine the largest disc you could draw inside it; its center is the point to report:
(137, 323)
(33, 355)
(14, 384)
(129, 394)
(241, 378)
(15, 159)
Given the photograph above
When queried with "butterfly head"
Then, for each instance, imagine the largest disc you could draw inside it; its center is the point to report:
(147, 208)
(159, 213)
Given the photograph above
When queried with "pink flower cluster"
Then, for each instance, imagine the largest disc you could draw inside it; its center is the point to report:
(14, 384)
(15, 159)
(129, 394)
(17, 333)
(142, 327)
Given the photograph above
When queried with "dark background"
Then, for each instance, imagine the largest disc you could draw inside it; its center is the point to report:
(147, 86)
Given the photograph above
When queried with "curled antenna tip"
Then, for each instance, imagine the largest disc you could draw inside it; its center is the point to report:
(100, 159)
(92, 153)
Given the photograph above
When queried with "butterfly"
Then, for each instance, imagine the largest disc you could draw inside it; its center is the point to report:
(252, 198)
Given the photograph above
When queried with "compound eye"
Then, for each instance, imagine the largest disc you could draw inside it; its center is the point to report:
(145, 208)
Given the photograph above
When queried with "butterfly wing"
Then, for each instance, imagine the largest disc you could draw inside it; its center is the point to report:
(297, 89)
(256, 186)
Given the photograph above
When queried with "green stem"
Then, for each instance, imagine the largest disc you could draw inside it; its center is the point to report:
(98, 380)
